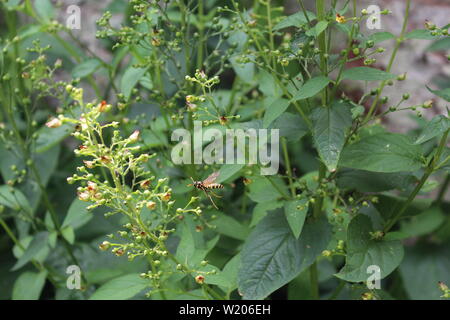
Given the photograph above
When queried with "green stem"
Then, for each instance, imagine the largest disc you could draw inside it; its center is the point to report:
(314, 281)
(399, 41)
(428, 171)
(288, 165)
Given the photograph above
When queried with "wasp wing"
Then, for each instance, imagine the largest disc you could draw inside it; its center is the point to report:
(211, 179)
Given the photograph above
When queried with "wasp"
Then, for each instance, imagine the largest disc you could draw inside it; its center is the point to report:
(208, 185)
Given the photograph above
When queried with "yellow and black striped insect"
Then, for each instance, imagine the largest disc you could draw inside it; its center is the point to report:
(208, 185)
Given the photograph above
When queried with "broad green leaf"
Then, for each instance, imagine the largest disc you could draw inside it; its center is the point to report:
(272, 257)
(388, 206)
(25, 242)
(295, 20)
(444, 94)
(262, 189)
(320, 27)
(423, 267)
(386, 152)
(329, 127)
(153, 138)
(378, 37)
(46, 163)
(227, 171)
(29, 285)
(363, 252)
(424, 223)
(50, 137)
(227, 278)
(274, 111)
(14, 199)
(121, 288)
(245, 71)
(440, 45)
(268, 84)
(261, 209)
(291, 126)
(186, 247)
(311, 88)
(38, 243)
(230, 227)
(69, 234)
(45, 9)
(422, 34)
(77, 215)
(146, 82)
(365, 181)
(437, 126)
(295, 212)
(101, 266)
(130, 78)
(367, 74)
(86, 68)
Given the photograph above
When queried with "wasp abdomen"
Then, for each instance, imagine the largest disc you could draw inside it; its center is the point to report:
(215, 186)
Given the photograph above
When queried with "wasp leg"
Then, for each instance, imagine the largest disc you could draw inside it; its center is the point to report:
(215, 195)
(210, 198)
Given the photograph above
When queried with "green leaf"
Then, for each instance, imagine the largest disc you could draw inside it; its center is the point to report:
(274, 111)
(29, 285)
(444, 94)
(329, 127)
(121, 288)
(291, 126)
(186, 247)
(50, 137)
(424, 223)
(320, 27)
(311, 88)
(365, 181)
(295, 212)
(86, 68)
(272, 257)
(386, 152)
(227, 171)
(422, 34)
(389, 205)
(14, 199)
(262, 190)
(130, 78)
(261, 209)
(245, 71)
(423, 267)
(440, 45)
(294, 20)
(153, 138)
(362, 252)
(437, 126)
(268, 84)
(44, 9)
(230, 227)
(77, 215)
(367, 74)
(227, 278)
(38, 243)
(378, 37)
(69, 234)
